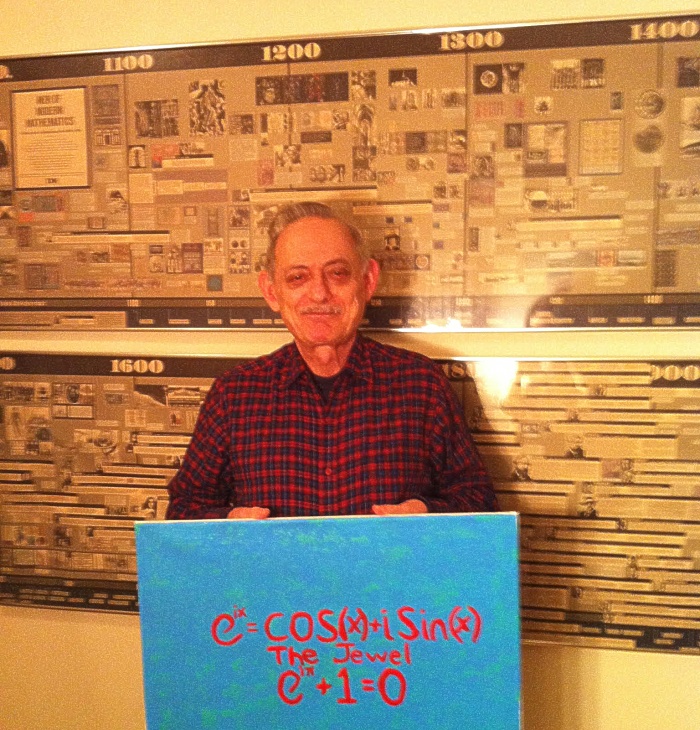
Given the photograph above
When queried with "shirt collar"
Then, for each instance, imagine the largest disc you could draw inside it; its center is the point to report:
(359, 363)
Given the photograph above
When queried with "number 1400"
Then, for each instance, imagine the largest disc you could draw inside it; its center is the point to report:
(667, 29)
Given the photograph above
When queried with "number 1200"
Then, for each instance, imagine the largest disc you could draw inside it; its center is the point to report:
(293, 52)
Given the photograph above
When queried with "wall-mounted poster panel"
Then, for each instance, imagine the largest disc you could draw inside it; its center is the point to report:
(342, 622)
(503, 177)
(600, 458)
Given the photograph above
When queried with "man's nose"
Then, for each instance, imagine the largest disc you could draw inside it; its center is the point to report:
(319, 290)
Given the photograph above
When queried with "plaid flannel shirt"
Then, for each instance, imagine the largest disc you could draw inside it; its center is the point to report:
(392, 429)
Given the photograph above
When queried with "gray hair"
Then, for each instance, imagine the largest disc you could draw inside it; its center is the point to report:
(292, 212)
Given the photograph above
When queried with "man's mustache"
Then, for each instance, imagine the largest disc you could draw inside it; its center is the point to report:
(322, 310)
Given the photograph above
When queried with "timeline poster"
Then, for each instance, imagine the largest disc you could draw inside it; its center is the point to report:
(50, 137)
(393, 622)
(503, 178)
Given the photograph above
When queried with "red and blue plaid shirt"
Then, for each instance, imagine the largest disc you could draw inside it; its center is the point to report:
(392, 429)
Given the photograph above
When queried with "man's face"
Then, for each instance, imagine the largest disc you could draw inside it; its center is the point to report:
(320, 285)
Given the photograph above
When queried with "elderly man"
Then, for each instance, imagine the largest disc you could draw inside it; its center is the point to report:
(333, 423)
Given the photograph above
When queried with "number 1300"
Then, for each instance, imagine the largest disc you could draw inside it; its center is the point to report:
(460, 41)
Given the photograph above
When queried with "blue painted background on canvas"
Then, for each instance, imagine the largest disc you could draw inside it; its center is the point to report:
(407, 622)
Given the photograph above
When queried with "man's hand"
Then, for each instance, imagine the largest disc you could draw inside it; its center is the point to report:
(409, 507)
(248, 513)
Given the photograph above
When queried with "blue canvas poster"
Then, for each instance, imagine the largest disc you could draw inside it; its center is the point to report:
(345, 622)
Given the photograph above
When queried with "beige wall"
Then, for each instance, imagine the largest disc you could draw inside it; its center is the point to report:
(52, 26)
(65, 670)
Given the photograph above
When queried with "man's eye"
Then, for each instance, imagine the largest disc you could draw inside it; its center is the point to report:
(340, 273)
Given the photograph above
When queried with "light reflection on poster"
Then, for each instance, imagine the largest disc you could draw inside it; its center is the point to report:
(50, 137)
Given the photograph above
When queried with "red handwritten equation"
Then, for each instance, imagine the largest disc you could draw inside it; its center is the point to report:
(343, 633)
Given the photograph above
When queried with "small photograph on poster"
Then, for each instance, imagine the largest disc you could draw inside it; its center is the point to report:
(574, 73)
(488, 79)
(4, 149)
(688, 72)
(513, 136)
(565, 74)
(207, 108)
(137, 156)
(106, 107)
(242, 124)
(403, 77)
(546, 150)
(593, 73)
(363, 85)
(158, 118)
(690, 127)
(649, 104)
(513, 74)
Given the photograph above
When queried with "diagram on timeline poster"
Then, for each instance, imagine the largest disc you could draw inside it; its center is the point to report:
(502, 177)
(599, 459)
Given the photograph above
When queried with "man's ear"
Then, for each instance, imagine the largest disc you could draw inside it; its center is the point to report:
(267, 287)
(371, 277)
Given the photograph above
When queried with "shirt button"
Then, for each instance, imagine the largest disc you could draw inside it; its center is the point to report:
(329, 471)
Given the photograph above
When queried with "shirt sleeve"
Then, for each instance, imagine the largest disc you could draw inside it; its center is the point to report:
(201, 488)
(460, 482)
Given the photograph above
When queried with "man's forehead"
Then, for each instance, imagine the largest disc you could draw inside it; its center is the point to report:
(306, 262)
(314, 242)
